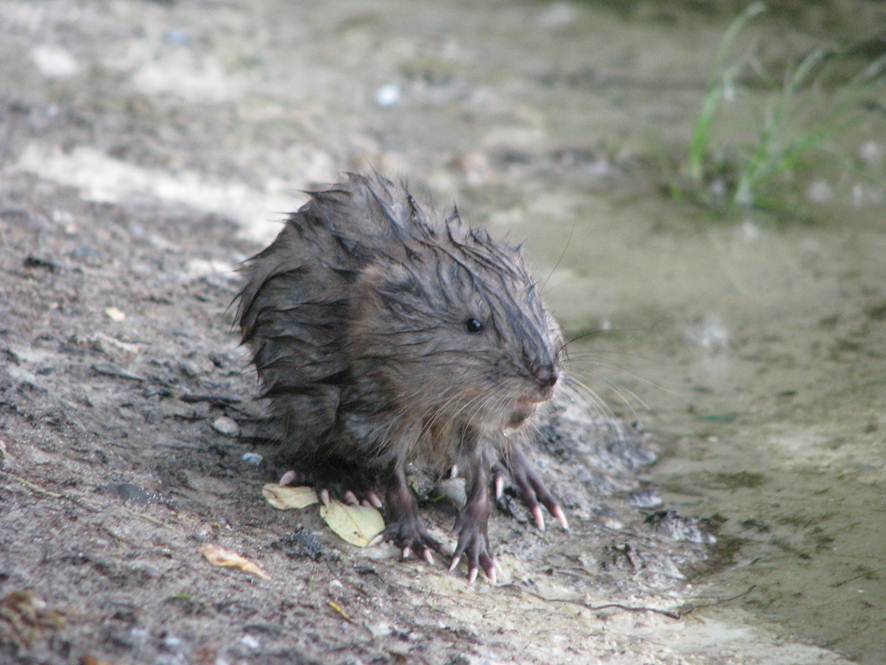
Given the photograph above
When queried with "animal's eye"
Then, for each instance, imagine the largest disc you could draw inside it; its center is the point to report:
(473, 325)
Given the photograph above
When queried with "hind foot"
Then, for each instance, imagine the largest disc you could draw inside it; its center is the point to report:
(334, 481)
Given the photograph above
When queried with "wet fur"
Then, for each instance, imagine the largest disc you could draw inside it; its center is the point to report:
(356, 318)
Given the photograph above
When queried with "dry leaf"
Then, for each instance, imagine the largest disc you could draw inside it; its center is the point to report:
(288, 498)
(219, 556)
(357, 525)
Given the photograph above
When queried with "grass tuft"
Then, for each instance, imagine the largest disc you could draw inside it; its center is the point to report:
(792, 127)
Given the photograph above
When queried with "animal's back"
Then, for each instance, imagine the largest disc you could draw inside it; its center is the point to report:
(293, 309)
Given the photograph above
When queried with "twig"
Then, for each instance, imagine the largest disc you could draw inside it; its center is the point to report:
(671, 614)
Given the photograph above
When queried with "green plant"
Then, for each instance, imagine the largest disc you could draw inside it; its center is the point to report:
(791, 127)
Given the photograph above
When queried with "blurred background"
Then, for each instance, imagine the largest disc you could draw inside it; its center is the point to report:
(700, 185)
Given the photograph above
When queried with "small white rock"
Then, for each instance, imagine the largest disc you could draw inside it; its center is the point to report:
(871, 152)
(54, 62)
(115, 314)
(250, 642)
(381, 629)
(388, 95)
(819, 192)
(251, 458)
(226, 426)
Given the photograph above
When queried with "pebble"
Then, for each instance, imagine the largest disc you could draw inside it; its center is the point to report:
(114, 314)
(388, 95)
(251, 458)
(226, 426)
(54, 62)
(819, 192)
(250, 642)
(380, 630)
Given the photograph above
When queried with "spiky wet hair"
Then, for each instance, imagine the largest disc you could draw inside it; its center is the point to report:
(362, 283)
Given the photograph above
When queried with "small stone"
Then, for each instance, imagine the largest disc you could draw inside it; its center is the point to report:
(250, 642)
(251, 458)
(226, 426)
(819, 192)
(871, 152)
(114, 314)
(388, 95)
(380, 629)
(54, 62)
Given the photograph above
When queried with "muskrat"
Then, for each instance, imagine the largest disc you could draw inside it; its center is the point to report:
(384, 336)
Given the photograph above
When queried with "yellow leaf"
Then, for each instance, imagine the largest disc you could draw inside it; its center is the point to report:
(286, 498)
(219, 556)
(357, 525)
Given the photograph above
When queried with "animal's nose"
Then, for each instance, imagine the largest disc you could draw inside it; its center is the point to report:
(546, 376)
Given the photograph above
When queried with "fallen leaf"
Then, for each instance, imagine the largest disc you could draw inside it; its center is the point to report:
(357, 525)
(288, 498)
(219, 556)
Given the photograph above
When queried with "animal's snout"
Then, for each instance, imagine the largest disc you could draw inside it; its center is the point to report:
(546, 376)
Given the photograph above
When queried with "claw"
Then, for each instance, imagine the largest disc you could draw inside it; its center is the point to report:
(454, 564)
(499, 486)
(453, 473)
(324, 497)
(429, 557)
(286, 478)
(378, 540)
(351, 498)
(373, 499)
(538, 517)
(492, 574)
(472, 575)
(560, 517)
(407, 552)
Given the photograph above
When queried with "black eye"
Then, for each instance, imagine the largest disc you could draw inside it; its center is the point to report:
(473, 326)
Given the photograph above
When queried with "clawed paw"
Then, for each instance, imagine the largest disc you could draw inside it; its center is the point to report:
(411, 538)
(530, 487)
(346, 489)
(473, 544)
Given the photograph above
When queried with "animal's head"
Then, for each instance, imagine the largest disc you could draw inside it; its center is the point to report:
(453, 325)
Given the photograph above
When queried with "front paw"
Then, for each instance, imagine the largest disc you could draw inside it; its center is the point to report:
(473, 543)
(529, 485)
(411, 537)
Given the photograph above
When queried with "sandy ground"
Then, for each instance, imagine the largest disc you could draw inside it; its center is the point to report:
(146, 149)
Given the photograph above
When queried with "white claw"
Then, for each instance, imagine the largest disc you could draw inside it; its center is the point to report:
(286, 478)
(429, 557)
(560, 517)
(453, 473)
(454, 564)
(324, 497)
(539, 518)
(351, 498)
(374, 500)
(493, 575)
(499, 487)
(407, 552)
(472, 575)
(365, 503)
(378, 540)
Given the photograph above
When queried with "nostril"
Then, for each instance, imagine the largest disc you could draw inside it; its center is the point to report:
(547, 377)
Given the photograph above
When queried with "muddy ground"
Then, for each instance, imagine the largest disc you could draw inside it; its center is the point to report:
(145, 149)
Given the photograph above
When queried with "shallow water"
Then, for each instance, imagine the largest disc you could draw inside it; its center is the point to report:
(760, 359)
(754, 351)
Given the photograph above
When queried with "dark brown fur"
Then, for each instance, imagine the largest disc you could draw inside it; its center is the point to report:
(358, 318)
